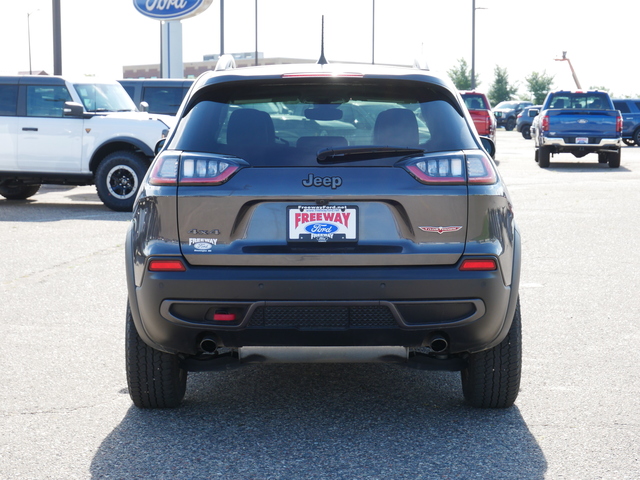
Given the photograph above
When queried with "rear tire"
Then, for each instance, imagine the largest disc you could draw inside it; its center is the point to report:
(492, 377)
(155, 378)
(118, 179)
(636, 137)
(18, 191)
(544, 157)
(526, 132)
(511, 124)
(614, 159)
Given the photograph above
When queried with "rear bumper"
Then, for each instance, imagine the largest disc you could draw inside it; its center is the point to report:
(323, 306)
(595, 143)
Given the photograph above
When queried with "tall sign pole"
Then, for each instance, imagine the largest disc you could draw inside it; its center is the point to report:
(57, 39)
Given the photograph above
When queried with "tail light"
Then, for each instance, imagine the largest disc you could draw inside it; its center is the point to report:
(442, 168)
(450, 169)
(545, 123)
(619, 124)
(480, 170)
(489, 123)
(193, 169)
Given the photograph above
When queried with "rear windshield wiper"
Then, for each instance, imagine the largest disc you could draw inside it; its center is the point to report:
(354, 154)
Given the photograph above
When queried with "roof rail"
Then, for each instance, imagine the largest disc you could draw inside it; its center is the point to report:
(225, 62)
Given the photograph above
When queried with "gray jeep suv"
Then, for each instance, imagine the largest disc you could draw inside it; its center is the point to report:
(272, 226)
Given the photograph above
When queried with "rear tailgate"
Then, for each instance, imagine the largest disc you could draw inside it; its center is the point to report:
(250, 220)
(574, 123)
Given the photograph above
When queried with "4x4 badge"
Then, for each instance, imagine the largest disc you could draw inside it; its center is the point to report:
(440, 230)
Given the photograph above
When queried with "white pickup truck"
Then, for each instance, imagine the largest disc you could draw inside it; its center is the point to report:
(56, 131)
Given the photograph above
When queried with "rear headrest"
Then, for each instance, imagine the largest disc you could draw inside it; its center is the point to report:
(250, 127)
(396, 126)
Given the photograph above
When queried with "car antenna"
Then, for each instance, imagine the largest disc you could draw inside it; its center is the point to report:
(322, 60)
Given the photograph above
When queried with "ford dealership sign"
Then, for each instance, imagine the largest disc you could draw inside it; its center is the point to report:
(171, 9)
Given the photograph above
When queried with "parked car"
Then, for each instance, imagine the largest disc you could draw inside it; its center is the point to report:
(630, 110)
(525, 119)
(157, 95)
(479, 107)
(507, 113)
(58, 131)
(579, 123)
(251, 242)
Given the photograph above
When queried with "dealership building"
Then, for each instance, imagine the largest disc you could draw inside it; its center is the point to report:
(194, 69)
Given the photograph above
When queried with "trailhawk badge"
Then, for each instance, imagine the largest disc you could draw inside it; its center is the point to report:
(440, 230)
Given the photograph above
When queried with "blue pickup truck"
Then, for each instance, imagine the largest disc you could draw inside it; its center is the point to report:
(580, 123)
(630, 109)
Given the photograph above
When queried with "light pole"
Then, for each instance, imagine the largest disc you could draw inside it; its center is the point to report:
(473, 42)
(57, 38)
(373, 32)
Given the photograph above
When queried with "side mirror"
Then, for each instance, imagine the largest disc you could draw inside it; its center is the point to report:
(72, 109)
(160, 145)
(144, 107)
(534, 112)
(489, 146)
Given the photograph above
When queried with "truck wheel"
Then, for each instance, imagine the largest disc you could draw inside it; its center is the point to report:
(544, 157)
(526, 131)
(492, 377)
(155, 378)
(636, 137)
(614, 159)
(603, 157)
(511, 124)
(118, 178)
(17, 191)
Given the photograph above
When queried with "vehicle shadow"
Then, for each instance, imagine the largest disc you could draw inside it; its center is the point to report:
(33, 211)
(321, 422)
(585, 167)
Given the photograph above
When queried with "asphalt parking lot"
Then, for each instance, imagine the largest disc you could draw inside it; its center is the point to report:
(65, 412)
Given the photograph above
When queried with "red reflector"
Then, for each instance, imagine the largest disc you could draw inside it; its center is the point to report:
(166, 266)
(476, 264)
(224, 317)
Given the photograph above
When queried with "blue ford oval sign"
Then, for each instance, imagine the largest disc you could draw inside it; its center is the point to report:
(171, 9)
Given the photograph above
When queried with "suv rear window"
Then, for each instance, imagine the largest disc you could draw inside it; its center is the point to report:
(286, 123)
(8, 99)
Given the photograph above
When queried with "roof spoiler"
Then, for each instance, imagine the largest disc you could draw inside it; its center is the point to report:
(225, 62)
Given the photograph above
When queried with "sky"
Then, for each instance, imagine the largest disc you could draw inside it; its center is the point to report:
(99, 37)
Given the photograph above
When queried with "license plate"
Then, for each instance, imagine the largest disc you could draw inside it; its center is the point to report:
(322, 223)
(582, 140)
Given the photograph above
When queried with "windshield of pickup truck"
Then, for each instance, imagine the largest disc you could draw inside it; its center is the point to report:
(587, 100)
(104, 97)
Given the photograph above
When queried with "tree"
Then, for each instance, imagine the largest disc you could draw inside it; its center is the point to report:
(539, 85)
(500, 89)
(460, 75)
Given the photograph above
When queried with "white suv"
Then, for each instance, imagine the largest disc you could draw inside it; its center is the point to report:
(54, 131)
